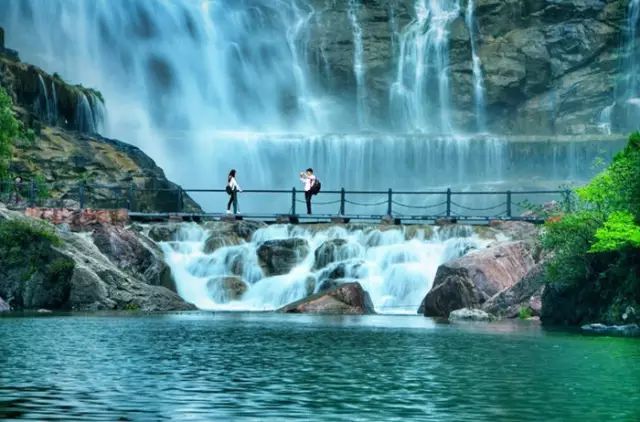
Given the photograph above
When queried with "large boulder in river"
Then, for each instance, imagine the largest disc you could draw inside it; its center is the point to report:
(346, 299)
(466, 314)
(279, 256)
(469, 281)
(334, 250)
(226, 289)
(525, 294)
(134, 253)
(230, 233)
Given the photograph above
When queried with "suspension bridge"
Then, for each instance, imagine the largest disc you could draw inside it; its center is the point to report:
(288, 206)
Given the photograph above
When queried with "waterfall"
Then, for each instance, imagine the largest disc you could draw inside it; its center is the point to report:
(43, 102)
(396, 267)
(53, 107)
(359, 67)
(420, 95)
(478, 78)
(625, 109)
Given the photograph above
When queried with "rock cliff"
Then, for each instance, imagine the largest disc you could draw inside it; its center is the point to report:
(548, 66)
(67, 152)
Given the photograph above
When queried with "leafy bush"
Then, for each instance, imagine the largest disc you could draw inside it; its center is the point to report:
(525, 312)
(596, 249)
(26, 243)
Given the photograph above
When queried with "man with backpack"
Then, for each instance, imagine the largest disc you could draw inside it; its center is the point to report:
(311, 186)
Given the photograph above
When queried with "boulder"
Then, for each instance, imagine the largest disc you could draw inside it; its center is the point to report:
(134, 254)
(4, 306)
(466, 314)
(526, 293)
(163, 232)
(328, 252)
(469, 281)
(346, 299)
(230, 233)
(226, 289)
(623, 330)
(64, 270)
(278, 257)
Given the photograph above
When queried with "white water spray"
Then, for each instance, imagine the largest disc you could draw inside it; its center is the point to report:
(478, 77)
(359, 67)
(420, 95)
(396, 266)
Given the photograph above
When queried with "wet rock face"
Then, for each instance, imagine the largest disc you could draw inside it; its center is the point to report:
(278, 257)
(226, 289)
(230, 233)
(135, 254)
(346, 299)
(550, 67)
(524, 294)
(108, 267)
(470, 281)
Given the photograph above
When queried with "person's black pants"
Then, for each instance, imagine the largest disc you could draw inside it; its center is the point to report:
(307, 198)
(233, 200)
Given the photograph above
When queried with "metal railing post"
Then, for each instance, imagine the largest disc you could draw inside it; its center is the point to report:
(449, 202)
(509, 204)
(293, 201)
(389, 202)
(179, 207)
(130, 197)
(32, 193)
(342, 200)
(81, 195)
(567, 194)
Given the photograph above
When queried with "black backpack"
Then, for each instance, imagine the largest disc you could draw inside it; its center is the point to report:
(315, 188)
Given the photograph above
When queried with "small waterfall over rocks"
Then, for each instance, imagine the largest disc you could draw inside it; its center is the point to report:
(396, 266)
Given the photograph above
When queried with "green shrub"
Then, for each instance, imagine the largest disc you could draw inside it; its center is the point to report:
(525, 312)
(26, 243)
(595, 250)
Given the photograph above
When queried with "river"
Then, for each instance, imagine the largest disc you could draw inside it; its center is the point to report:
(266, 366)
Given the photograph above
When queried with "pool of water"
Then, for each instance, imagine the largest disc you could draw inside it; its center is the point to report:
(252, 366)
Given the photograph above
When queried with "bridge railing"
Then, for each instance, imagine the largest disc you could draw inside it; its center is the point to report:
(407, 205)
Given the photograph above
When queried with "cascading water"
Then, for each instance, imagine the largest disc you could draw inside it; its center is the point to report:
(624, 112)
(478, 78)
(204, 86)
(359, 68)
(396, 267)
(420, 95)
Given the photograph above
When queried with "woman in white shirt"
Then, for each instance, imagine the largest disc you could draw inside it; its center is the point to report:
(232, 189)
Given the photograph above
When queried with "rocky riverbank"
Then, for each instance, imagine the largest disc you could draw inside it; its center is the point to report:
(88, 267)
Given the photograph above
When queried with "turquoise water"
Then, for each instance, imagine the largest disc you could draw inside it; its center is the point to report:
(204, 366)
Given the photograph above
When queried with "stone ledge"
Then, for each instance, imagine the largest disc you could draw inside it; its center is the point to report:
(79, 218)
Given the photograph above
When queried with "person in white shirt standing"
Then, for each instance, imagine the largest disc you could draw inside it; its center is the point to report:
(232, 189)
(309, 180)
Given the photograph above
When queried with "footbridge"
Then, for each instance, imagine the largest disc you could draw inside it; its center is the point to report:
(288, 206)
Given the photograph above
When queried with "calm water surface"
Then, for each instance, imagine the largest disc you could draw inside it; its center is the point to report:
(202, 366)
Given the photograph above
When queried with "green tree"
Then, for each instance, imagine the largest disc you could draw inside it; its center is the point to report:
(595, 251)
(9, 130)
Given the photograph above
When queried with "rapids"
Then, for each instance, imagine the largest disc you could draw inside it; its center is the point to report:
(396, 266)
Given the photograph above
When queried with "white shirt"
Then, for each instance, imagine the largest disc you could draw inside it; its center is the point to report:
(308, 181)
(233, 184)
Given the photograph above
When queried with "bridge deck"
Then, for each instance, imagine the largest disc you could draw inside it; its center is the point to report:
(324, 218)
